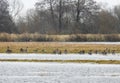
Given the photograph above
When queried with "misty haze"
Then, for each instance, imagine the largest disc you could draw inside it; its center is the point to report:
(59, 41)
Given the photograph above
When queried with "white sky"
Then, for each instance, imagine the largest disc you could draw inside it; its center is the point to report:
(107, 3)
(29, 3)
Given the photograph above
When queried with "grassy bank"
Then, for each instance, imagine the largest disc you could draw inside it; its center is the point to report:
(27, 37)
(65, 61)
(49, 47)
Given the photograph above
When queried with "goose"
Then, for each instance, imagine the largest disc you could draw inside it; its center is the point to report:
(8, 50)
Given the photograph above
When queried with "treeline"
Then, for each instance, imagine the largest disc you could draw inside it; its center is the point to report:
(70, 17)
(62, 17)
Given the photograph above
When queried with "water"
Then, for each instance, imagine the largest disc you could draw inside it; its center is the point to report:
(14, 72)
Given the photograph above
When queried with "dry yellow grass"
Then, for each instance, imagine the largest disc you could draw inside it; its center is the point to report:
(50, 46)
(36, 37)
(64, 61)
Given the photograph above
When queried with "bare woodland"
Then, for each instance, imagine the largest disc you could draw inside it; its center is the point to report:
(59, 17)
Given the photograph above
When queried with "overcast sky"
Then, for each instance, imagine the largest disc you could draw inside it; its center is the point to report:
(107, 3)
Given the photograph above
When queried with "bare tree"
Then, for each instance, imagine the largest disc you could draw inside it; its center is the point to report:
(64, 16)
(16, 7)
(107, 23)
(22, 25)
(6, 22)
(117, 11)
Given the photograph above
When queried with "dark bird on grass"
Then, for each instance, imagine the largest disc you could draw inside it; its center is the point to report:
(8, 50)
(104, 52)
(96, 51)
(90, 52)
(113, 52)
(60, 52)
(82, 52)
(65, 51)
(56, 51)
(21, 50)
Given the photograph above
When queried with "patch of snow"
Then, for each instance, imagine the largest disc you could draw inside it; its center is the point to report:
(107, 43)
(14, 72)
(61, 57)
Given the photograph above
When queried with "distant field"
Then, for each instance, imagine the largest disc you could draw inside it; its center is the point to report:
(49, 47)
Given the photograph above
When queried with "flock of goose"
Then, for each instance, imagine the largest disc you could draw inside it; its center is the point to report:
(57, 51)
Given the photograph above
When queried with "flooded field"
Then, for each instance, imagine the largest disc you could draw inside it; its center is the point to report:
(14, 72)
(60, 57)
